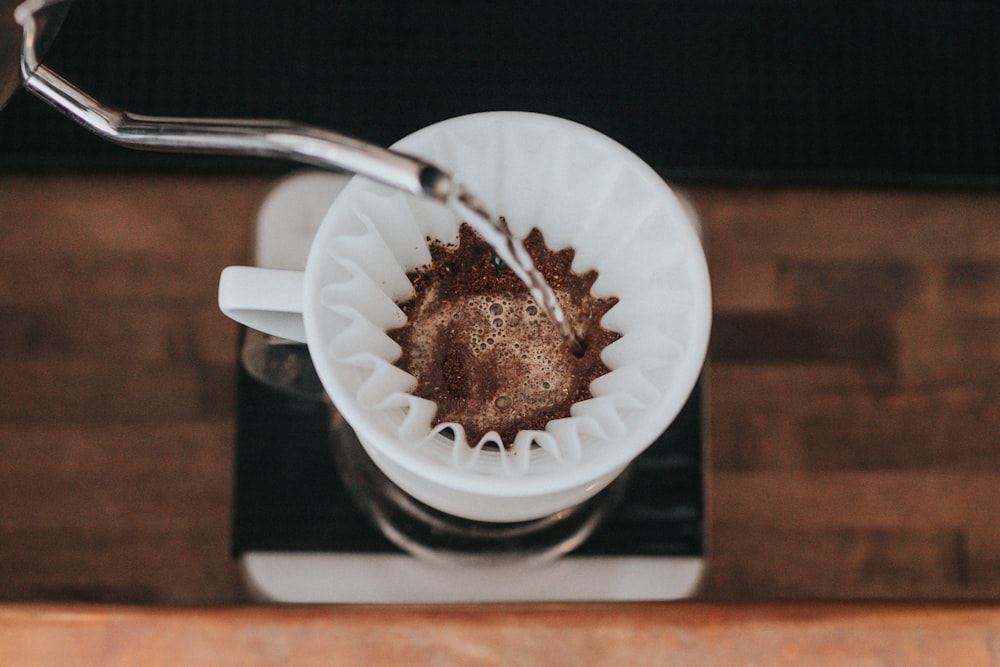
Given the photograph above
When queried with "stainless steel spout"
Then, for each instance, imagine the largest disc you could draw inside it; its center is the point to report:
(261, 138)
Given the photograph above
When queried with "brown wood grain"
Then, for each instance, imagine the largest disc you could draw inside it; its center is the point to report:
(853, 391)
(687, 634)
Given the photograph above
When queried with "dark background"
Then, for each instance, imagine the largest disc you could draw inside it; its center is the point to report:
(898, 93)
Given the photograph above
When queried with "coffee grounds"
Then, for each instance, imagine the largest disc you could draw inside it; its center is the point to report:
(482, 349)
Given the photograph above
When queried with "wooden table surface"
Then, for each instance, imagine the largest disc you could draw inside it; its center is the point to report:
(853, 395)
(687, 634)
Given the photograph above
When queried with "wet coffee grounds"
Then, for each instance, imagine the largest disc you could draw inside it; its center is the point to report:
(484, 352)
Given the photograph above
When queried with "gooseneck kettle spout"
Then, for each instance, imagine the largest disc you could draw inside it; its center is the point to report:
(273, 139)
(38, 20)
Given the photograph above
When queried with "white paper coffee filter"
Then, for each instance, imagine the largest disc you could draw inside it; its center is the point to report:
(580, 189)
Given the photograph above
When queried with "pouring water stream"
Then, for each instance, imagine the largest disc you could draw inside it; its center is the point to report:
(512, 251)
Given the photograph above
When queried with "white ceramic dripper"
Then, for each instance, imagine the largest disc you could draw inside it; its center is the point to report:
(581, 189)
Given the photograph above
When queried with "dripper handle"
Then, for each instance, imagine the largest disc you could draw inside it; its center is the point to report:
(268, 300)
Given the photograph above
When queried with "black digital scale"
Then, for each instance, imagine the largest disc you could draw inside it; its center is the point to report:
(300, 536)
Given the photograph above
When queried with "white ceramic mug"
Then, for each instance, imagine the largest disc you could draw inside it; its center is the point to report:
(581, 189)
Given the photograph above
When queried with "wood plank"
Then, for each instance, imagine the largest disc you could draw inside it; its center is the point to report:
(849, 286)
(831, 224)
(823, 416)
(123, 513)
(42, 279)
(972, 285)
(781, 561)
(747, 284)
(901, 535)
(159, 476)
(818, 337)
(944, 346)
(111, 215)
(115, 564)
(93, 391)
(880, 500)
(116, 333)
(639, 634)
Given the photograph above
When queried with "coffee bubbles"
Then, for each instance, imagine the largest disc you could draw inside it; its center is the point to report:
(482, 349)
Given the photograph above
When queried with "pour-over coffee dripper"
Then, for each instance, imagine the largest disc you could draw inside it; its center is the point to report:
(581, 190)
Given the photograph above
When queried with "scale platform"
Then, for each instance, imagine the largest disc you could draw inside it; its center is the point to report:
(300, 538)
